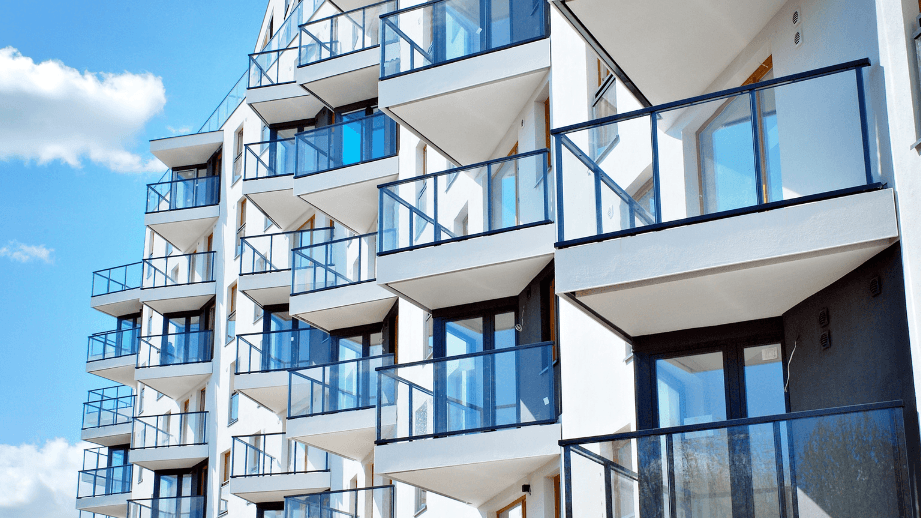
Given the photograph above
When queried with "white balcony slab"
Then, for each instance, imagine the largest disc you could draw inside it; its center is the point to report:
(183, 227)
(274, 488)
(169, 457)
(118, 304)
(471, 468)
(461, 272)
(266, 288)
(275, 197)
(111, 435)
(729, 270)
(174, 381)
(283, 103)
(344, 79)
(270, 389)
(478, 97)
(181, 297)
(187, 150)
(350, 433)
(344, 306)
(108, 505)
(119, 369)
(349, 194)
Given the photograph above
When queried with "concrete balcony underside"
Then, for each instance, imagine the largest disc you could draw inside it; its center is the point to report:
(282, 103)
(350, 433)
(471, 468)
(177, 298)
(174, 381)
(461, 272)
(111, 435)
(274, 488)
(169, 457)
(349, 194)
(345, 79)
(118, 304)
(478, 97)
(119, 369)
(270, 389)
(266, 288)
(109, 505)
(344, 306)
(729, 270)
(186, 150)
(183, 227)
(275, 197)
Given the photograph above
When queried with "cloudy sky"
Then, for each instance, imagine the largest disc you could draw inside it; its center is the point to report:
(83, 87)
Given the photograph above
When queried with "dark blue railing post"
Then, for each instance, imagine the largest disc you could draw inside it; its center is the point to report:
(488, 197)
(437, 226)
(756, 146)
(654, 125)
(862, 106)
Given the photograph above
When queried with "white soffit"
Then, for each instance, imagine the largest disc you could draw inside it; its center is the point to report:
(187, 150)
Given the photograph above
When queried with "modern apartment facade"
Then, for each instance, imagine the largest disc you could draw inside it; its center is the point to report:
(581, 258)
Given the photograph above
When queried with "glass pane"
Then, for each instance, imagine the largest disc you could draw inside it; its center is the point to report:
(465, 393)
(464, 336)
(691, 389)
(350, 348)
(727, 159)
(169, 486)
(505, 330)
(377, 344)
(764, 394)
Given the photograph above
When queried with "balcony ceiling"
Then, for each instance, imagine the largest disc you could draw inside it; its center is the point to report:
(269, 389)
(187, 150)
(182, 228)
(275, 197)
(349, 434)
(174, 381)
(283, 103)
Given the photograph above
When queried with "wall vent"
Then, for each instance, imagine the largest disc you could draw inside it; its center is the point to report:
(825, 340)
(875, 287)
(796, 17)
(798, 38)
(823, 317)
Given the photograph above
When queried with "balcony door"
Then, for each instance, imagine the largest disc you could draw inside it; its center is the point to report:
(129, 329)
(184, 340)
(289, 343)
(466, 27)
(174, 493)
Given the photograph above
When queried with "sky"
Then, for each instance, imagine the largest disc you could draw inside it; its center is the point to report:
(83, 87)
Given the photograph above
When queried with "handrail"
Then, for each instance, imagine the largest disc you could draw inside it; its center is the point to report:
(430, 361)
(270, 266)
(202, 341)
(300, 253)
(367, 22)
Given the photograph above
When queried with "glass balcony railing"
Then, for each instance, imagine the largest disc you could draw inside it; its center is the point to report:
(272, 67)
(440, 32)
(119, 278)
(108, 406)
(848, 461)
(336, 263)
(488, 390)
(281, 350)
(335, 387)
(269, 159)
(274, 454)
(113, 344)
(504, 194)
(176, 349)
(348, 503)
(177, 270)
(104, 481)
(163, 431)
(342, 33)
(288, 30)
(86, 514)
(183, 194)
(176, 507)
(346, 143)
(272, 252)
(227, 106)
(769, 144)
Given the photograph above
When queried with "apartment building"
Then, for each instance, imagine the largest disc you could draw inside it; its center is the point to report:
(518, 258)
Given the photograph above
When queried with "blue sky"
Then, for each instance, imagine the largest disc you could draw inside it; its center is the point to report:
(91, 216)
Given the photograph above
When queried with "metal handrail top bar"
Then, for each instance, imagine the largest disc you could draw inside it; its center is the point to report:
(413, 7)
(729, 423)
(106, 468)
(790, 79)
(163, 335)
(276, 51)
(176, 256)
(238, 437)
(334, 241)
(116, 267)
(318, 20)
(100, 333)
(183, 179)
(106, 398)
(142, 417)
(343, 362)
(287, 232)
(277, 331)
(466, 167)
(107, 388)
(400, 379)
(272, 141)
(342, 123)
(464, 356)
(307, 495)
(138, 500)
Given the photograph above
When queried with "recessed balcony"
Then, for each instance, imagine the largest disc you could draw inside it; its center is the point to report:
(116, 290)
(107, 416)
(265, 263)
(173, 364)
(729, 207)
(272, 91)
(112, 354)
(492, 413)
(468, 234)
(332, 406)
(178, 283)
(182, 507)
(103, 488)
(183, 209)
(848, 461)
(268, 180)
(270, 467)
(169, 441)
(332, 284)
(339, 57)
(454, 67)
(339, 167)
(370, 502)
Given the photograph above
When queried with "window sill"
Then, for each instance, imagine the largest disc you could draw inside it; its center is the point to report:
(420, 510)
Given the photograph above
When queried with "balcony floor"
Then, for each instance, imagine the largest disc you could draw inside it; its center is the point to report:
(109, 505)
(349, 433)
(112, 435)
(119, 369)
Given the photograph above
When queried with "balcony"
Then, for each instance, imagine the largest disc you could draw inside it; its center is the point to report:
(779, 205)
(370, 502)
(169, 441)
(264, 359)
(183, 210)
(175, 363)
(107, 416)
(440, 420)
(468, 234)
(112, 354)
(339, 167)
(444, 61)
(265, 263)
(116, 290)
(178, 283)
(849, 461)
(339, 55)
(103, 489)
(270, 467)
(332, 284)
(176, 507)
(186, 150)
(268, 180)
(332, 406)
(272, 91)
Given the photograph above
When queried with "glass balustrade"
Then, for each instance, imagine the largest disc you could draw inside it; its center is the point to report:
(335, 387)
(336, 263)
(281, 350)
(272, 67)
(345, 143)
(176, 507)
(118, 278)
(342, 33)
(176, 349)
(99, 478)
(176, 270)
(113, 344)
(227, 106)
(162, 431)
(108, 406)
(269, 159)
(272, 252)
(184, 193)
(274, 454)
(348, 503)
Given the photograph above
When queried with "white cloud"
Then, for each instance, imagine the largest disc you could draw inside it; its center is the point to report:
(40, 482)
(23, 253)
(182, 130)
(53, 112)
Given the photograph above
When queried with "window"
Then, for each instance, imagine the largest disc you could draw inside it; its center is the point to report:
(237, 156)
(257, 312)
(428, 347)
(419, 506)
(159, 395)
(225, 467)
(268, 32)
(604, 104)
(234, 410)
(514, 510)
(232, 314)
(241, 225)
(267, 224)
(141, 401)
